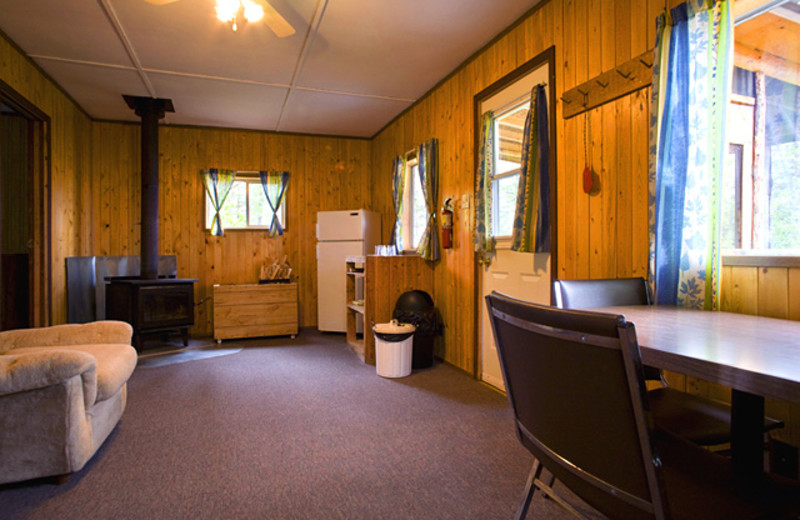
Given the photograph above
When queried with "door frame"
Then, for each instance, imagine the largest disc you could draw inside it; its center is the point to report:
(546, 57)
(39, 152)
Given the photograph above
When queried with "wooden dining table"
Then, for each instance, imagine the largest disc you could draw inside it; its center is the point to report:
(755, 356)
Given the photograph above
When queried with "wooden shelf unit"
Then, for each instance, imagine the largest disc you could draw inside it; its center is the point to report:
(255, 310)
(355, 313)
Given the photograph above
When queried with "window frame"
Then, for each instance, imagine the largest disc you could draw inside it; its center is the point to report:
(249, 178)
(747, 254)
(407, 218)
(741, 108)
(494, 179)
(507, 93)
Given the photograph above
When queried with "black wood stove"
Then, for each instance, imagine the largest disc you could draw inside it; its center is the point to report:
(151, 304)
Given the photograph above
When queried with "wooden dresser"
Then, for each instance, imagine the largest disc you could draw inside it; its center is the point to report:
(254, 310)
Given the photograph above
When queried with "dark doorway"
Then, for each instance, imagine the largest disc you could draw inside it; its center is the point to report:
(15, 218)
(24, 213)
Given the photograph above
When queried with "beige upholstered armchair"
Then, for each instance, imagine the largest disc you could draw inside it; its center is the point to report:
(62, 391)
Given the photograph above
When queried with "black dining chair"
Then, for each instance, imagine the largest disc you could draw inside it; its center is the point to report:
(575, 383)
(701, 420)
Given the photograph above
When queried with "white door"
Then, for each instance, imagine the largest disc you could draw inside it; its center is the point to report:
(522, 275)
(332, 283)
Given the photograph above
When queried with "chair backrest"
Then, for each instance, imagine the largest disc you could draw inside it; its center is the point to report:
(584, 294)
(574, 380)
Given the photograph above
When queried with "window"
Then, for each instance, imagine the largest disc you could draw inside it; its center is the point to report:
(245, 206)
(508, 129)
(761, 181)
(510, 106)
(415, 214)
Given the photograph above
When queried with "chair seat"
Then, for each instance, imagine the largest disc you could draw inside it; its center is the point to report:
(703, 485)
(696, 418)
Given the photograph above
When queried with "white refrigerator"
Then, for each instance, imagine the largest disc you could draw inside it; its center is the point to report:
(340, 234)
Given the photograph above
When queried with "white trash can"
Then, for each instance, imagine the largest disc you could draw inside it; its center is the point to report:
(394, 348)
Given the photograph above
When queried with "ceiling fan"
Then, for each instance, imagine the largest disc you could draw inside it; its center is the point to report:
(238, 11)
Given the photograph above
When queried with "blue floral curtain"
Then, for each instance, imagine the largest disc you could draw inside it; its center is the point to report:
(484, 241)
(218, 183)
(274, 185)
(531, 232)
(691, 90)
(398, 188)
(428, 164)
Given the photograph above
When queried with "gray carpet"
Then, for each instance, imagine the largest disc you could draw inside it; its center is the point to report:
(296, 429)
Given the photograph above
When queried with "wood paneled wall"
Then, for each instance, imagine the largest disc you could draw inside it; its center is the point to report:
(599, 235)
(326, 174)
(14, 185)
(70, 131)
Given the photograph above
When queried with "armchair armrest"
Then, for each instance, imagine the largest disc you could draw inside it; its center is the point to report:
(63, 335)
(33, 370)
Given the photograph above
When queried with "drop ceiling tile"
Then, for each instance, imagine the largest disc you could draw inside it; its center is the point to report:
(185, 36)
(401, 48)
(394, 50)
(312, 112)
(73, 29)
(207, 102)
(98, 90)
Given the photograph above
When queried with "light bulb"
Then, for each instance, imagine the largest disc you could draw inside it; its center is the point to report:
(252, 11)
(226, 10)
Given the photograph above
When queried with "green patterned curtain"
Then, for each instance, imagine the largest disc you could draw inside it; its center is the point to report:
(274, 185)
(428, 164)
(531, 231)
(484, 241)
(398, 188)
(218, 183)
(691, 90)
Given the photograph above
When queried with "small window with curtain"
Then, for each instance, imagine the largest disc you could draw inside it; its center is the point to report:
(245, 206)
(504, 186)
(414, 213)
(508, 127)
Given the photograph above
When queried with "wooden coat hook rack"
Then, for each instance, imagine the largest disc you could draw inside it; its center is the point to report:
(612, 84)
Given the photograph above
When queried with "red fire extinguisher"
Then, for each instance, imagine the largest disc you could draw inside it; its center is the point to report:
(447, 224)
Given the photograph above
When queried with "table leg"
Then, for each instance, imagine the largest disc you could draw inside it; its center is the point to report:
(747, 433)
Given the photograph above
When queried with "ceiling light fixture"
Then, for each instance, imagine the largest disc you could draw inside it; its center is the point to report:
(241, 10)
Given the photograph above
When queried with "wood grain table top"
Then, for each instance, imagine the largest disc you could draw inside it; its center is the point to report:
(754, 354)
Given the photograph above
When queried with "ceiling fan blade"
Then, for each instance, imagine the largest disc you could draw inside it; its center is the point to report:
(160, 2)
(276, 22)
